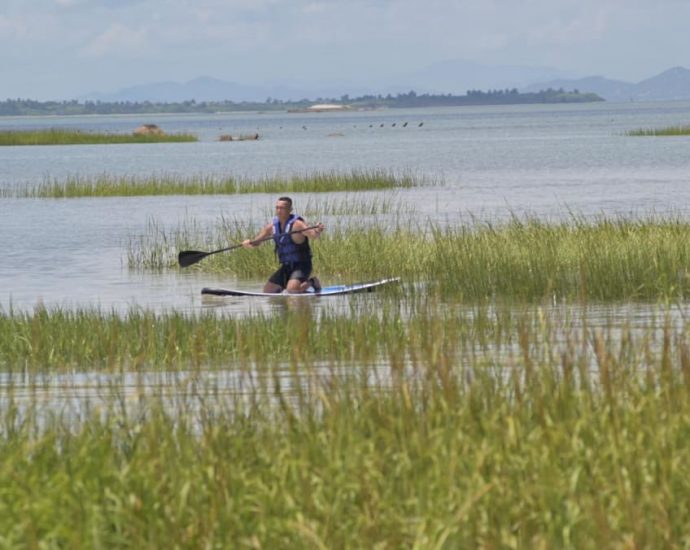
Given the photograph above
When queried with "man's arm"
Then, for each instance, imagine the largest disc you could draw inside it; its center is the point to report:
(265, 232)
(299, 225)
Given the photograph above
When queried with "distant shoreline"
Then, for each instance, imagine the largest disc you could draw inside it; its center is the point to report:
(26, 107)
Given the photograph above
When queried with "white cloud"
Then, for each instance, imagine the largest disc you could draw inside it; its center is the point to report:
(573, 31)
(118, 41)
(13, 28)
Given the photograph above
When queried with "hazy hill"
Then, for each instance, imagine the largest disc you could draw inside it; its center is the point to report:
(673, 84)
(199, 89)
(454, 76)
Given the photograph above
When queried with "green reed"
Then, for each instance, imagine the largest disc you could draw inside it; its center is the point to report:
(573, 438)
(680, 130)
(418, 330)
(52, 340)
(59, 136)
(362, 205)
(606, 259)
(126, 186)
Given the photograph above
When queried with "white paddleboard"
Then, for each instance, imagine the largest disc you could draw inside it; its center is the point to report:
(335, 290)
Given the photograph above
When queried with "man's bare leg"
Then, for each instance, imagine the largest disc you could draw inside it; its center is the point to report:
(272, 288)
(295, 286)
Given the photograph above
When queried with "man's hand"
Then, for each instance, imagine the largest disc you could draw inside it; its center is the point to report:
(318, 230)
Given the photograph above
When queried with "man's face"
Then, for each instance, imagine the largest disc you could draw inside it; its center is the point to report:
(282, 209)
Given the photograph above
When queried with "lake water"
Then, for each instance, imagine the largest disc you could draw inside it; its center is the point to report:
(488, 162)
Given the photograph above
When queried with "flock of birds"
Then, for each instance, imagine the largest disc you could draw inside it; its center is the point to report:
(382, 125)
(304, 127)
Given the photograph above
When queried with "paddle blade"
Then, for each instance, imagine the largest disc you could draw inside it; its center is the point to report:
(190, 257)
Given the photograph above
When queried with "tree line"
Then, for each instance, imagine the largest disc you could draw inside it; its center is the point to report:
(25, 107)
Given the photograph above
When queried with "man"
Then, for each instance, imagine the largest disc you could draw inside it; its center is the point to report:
(291, 238)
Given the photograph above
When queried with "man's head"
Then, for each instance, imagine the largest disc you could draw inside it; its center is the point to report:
(283, 207)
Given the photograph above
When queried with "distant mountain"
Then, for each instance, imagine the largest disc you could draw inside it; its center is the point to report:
(673, 84)
(453, 76)
(199, 89)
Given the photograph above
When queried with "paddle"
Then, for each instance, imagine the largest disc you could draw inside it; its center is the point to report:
(190, 257)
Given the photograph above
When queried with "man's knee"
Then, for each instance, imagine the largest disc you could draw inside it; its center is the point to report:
(295, 286)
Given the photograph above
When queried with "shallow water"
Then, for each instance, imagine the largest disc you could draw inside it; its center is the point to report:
(491, 162)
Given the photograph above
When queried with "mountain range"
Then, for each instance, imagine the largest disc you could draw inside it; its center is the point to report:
(670, 85)
(455, 77)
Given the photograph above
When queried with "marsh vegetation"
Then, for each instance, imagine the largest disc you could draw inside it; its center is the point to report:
(132, 186)
(457, 427)
(679, 130)
(523, 259)
(63, 136)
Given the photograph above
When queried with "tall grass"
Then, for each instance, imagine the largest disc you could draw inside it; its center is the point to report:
(680, 130)
(52, 340)
(113, 186)
(60, 136)
(607, 259)
(571, 442)
(418, 331)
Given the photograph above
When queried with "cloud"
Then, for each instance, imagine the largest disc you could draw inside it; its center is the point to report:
(96, 4)
(13, 28)
(572, 31)
(118, 41)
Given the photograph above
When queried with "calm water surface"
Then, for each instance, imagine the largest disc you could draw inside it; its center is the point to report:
(490, 162)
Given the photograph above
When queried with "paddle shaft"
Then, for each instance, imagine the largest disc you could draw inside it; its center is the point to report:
(190, 257)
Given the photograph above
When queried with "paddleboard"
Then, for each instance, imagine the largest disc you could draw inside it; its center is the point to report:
(336, 290)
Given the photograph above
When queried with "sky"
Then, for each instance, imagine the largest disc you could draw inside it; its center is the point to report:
(62, 49)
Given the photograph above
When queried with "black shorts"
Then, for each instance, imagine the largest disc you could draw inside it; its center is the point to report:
(299, 271)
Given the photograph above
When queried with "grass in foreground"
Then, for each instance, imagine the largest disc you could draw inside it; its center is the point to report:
(110, 186)
(57, 136)
(540, 449)
(680, 130)
(523, 259)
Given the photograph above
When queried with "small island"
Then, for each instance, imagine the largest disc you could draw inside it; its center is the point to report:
(473, 97)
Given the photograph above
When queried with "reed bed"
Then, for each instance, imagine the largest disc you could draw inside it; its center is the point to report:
(60, 136)
(129, 186)
(680, 130)
(420, 331)
(66, 340)
(363, 205)
(601, 260)
(541, 449)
